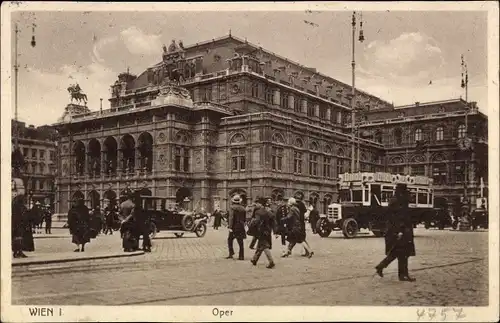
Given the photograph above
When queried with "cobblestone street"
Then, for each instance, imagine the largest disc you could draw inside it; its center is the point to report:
(451, 269)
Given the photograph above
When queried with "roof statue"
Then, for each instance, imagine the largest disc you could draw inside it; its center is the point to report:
(75, 91)
(173, 47)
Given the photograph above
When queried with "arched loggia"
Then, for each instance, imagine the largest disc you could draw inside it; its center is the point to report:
(110, 155)
(127, 146)
(94, 155)
(79, 152)
(145, 149)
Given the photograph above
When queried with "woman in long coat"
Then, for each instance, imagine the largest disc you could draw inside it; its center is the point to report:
(399, 239)
(264, 233)
(296, 228)
(28, 219)
(18, 212)
(78, 222)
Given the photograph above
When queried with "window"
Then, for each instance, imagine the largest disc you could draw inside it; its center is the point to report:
(42, 168)
(255, 90)
(413, 195)
(33, 153)
(418, 134)
(25, 152)
(269, 95)
(418, 170)
(439, 133)
(397, 169)
(398, 136)
(461, 131)
(277, 158)
(297, 162)
(42, 184)
(178, 159)
(181, 159)
(310, 109)
(378, 137)
(422, 197)
(459, 173)
(322, 113)
(238, 160)
(185, 162)
(284, 100)
(296, 105)
(439, 174)
(340, 166)
(52, 155)
(313, 164)
(327, 164)
(42, 154)
(206, 94)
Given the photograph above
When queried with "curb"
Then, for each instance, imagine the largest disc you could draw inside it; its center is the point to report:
(55, 261)
(51, 237)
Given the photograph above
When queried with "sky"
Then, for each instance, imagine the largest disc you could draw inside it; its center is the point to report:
(402, 53)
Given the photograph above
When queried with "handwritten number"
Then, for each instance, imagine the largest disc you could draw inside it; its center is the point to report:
(459, 312)
(420, 313)
(432, 313)
(443, 313)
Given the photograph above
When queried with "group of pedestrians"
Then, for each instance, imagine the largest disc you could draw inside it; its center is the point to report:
(286, 220)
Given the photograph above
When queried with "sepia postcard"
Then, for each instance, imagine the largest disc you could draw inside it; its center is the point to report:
(250, 161)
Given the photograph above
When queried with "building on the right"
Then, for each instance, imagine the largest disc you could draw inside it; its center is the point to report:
(444, 140)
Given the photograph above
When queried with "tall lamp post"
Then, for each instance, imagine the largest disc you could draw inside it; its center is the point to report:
(353, 91)
(465, 143)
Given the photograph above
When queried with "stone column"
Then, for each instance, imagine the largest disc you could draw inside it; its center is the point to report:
(119, 162)
(291, 101)
(276, 97)
(103, 163)
(303, 106)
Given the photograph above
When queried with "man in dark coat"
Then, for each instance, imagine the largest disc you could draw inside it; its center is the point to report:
(236, 227)
(313, 218)
(142, 223)
(130, 239)
(18, 212)
(301, 237)
(281, 225)
(217, 219)
(110, 213)
(399, 235)
(78, 222)
(48, 219)
(28, 219)
(264, 232)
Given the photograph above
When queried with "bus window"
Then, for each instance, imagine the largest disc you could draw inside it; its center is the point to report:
(422, 197)
(386, 196)
(366, 195)
(357, 196)
(413, 196)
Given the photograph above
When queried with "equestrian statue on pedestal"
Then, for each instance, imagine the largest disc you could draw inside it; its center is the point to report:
(76, 93)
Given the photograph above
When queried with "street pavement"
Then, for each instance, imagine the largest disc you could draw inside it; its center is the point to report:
(451, 269)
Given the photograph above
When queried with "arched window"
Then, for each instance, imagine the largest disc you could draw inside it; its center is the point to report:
(439, 133)
(418, 135)
(398, 136)
(461, 131)
(255, 90)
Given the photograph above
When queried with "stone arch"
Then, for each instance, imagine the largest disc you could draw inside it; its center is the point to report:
(363, 156)
(298, 143)
(340, 152)
(237, 138)
(438, 157)
(417, 158)
(110, 148)
(110, 196)
(79, 152)
(94, 153)
(378, 136)
(145, 149)
(278, 138)
(277, 194)
(396, 160)
(314, 146)
(328, 149)
(128, 147)
(182, 193)
(313, 199)
(94, 199)
(182, 137)
(77, 195)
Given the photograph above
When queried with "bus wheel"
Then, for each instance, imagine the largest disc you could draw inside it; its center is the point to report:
(323, 228)
(349, 228)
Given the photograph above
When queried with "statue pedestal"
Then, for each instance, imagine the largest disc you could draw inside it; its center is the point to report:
(73, 109)
(173, 95)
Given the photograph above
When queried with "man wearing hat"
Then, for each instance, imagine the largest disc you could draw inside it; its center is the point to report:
(78, 222)
(236, 227)
(264, 231)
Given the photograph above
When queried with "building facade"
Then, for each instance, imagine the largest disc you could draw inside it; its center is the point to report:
(215, 119)
(39, 160)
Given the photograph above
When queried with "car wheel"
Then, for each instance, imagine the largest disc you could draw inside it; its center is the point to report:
(179, 235)
(201, 230)
(323, 228)
(152, 230)
(350, 228)
(188, 222)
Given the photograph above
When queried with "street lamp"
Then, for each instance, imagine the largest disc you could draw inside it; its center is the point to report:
(353, 90)
(465, 143)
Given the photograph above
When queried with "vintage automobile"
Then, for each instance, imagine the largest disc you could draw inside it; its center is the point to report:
(169, 218)
(479, 219)
(439, 217)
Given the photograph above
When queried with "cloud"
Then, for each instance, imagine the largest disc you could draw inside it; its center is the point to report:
(45, 95)
(99, 46)
(408, 58)
(137, 42)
